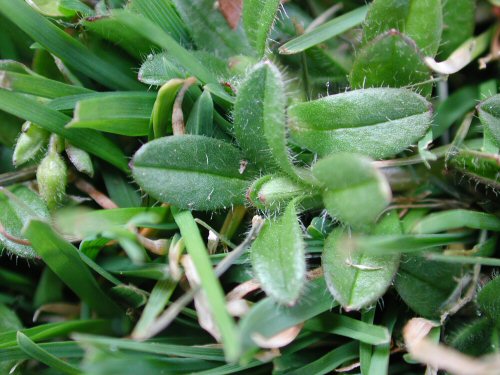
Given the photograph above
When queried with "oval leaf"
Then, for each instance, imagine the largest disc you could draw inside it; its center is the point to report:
(192, 172)
(355, 191)
(278, 257)
(375, 122)
(15, 212)
(421, 20)
(489, 114)
(393, 60)
(458, 22)
(355, 279)
(258, 18)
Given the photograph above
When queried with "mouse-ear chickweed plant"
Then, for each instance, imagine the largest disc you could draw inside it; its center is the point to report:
(249, 186)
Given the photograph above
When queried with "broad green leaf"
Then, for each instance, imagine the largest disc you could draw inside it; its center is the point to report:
(54, 122)
(326, 31)
(355, 192)
(209, 29)
(478, 166)
(458, 25)
(64, 46)
(278, 259)
(162, 13)
(392, 60)
(126, 114)
(209, 283)
(474, 338)
(456, 219)
(64, 260)
(39, 354)
(357, 279)
(421, 20)
(259, 120)
(425, 286)
(489, 114)
(488, 300)
(208, 168)
(15, 212)
(258, 18)
(375, 122)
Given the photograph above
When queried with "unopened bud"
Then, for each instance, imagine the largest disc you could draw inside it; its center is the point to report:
(52, 177)
(30, 143)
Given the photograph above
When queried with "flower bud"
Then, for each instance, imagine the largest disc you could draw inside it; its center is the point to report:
(52, 177)
(30, 143)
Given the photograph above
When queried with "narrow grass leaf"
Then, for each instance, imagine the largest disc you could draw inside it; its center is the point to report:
(326, 31)
(209, 283)
(456, 219)
(40, 354)
(168, 166)
(349, 327)
(357, 279)
(38, 85)
(278, 257)
(377, 122)
(64, 46)
(54, 122)
(329, 362)
(126, 115)
(268, 318)
(64, 261)
(52, 330)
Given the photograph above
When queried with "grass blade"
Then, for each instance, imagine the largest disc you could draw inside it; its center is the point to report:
(326, 31)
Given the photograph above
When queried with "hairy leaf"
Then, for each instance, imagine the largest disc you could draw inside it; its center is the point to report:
(278, 257)
(191, 171)
(375, 122)
(356, 279)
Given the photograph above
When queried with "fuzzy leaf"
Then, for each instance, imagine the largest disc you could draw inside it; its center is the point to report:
(391, 59)
(489, 114)
(259, 120)
(421, 20)
(258, 18)
(426, 285)
(278, 257)
(488, 300)
(355, 191)
(15, 212)
(458, 25)
(208, 169)
(375, 122)
(356, 279)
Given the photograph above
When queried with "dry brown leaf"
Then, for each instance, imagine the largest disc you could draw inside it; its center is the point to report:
(442, 357)
(231, 10)
(279, 340)
(201, 304)
(64, 310)
(243, 289)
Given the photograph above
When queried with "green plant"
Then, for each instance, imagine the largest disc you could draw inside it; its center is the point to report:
(231, 173)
